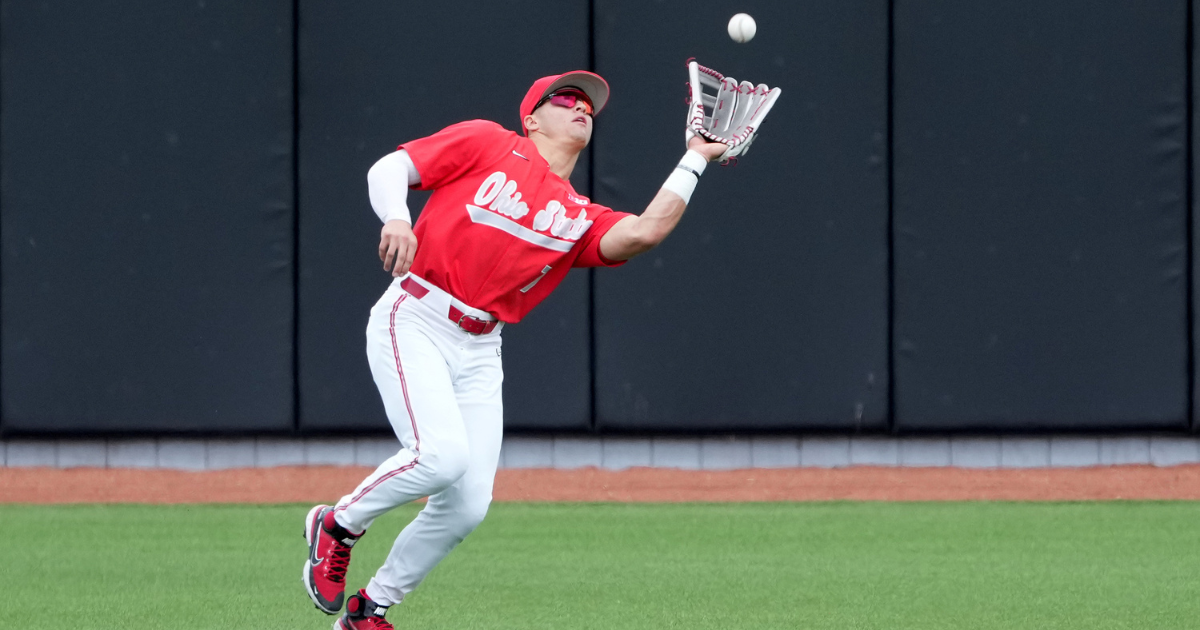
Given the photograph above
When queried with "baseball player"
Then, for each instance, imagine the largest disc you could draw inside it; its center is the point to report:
(500, 231)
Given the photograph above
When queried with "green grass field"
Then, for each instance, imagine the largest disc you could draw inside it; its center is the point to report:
(619, 567)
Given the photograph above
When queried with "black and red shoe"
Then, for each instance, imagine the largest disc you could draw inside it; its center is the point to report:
(363, 614)
(328, 558)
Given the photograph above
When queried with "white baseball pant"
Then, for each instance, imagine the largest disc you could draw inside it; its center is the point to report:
(441, 390)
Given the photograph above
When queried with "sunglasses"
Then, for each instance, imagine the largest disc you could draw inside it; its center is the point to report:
(568, 99)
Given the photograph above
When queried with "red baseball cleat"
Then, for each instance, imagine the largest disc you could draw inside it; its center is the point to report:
(328, 558)
(363, 614)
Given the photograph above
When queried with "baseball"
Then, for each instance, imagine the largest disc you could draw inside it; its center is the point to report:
(742, 28)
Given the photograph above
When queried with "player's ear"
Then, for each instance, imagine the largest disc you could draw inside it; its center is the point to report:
(531, 122)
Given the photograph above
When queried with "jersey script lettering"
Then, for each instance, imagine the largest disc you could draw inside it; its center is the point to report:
(498, 195)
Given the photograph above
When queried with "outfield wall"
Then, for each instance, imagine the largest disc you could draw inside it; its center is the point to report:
(621, 452)
(961, 216)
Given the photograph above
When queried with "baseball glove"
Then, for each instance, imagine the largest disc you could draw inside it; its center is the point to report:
(732, 114)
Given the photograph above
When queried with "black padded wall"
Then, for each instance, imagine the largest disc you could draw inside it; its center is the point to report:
(1195, 239)
(147, 227)
(1040, 239)
(375, 74)
(767, 308)
(1038, 212)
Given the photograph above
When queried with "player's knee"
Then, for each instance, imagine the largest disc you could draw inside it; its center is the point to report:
(471, 511)
(445, 466)
(476, 508)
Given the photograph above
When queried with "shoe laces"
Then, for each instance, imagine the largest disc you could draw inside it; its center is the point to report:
(338, 563)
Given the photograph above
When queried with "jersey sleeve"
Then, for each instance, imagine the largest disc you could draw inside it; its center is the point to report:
(589, 246)
(455, 150)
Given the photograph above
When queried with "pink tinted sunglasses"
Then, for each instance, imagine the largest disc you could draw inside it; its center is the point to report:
(568, 99)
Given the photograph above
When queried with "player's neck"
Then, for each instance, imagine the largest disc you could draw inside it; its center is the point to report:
(561, 158)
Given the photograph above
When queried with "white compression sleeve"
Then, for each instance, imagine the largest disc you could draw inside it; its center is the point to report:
(686, 175)
(388, 182)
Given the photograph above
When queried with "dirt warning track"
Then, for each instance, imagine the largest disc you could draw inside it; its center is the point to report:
(860, 483)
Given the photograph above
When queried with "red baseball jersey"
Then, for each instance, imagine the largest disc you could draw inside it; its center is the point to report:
(500, 230)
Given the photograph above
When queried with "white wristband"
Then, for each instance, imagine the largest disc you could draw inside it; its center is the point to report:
(682, 181)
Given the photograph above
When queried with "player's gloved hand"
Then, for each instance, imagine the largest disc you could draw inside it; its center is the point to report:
(397, 247)
(731, 115)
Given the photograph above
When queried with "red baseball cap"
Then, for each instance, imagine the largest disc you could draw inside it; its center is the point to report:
(589, 83)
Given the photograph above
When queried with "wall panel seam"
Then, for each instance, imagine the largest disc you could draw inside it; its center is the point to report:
(891, 235)
(295, 215)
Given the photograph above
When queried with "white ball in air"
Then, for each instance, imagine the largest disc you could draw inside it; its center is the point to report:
(742, 28)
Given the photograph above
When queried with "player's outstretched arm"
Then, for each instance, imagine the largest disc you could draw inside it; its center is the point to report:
(388, 182)
(636, 235)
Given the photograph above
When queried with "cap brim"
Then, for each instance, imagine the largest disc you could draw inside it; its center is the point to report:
(595, 87)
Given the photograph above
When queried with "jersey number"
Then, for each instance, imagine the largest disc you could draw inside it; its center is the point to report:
(539, 279)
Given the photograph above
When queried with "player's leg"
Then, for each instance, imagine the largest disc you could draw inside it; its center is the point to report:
(415, 384)
(453, 513)
(408, 360)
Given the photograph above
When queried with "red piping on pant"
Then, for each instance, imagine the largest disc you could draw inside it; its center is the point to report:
(400, 370)
(407, 404)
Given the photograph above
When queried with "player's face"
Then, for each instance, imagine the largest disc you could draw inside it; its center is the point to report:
(566, 115)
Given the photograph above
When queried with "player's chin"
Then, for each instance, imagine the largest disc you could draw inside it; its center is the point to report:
(581, 133)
